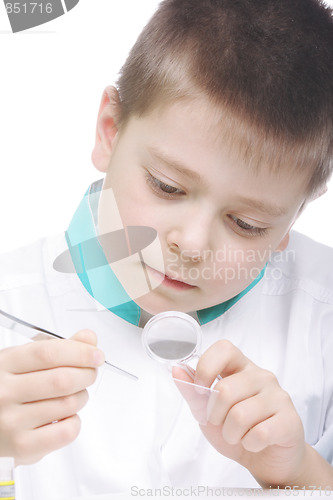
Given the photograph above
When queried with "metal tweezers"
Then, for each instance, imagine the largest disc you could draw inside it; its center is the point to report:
(37, 333)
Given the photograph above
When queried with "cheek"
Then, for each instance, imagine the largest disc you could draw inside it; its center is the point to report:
(139, 209)
(235, 268)
(134, 212)
(135, 205)
(243, 256)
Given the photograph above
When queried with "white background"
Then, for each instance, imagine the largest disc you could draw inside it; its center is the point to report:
(52, 78)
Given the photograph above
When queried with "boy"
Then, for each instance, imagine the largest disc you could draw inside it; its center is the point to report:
(218, 136)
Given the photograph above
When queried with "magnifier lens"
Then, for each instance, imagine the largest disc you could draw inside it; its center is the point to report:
(171, 337)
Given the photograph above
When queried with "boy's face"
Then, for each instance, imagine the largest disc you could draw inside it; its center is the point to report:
(217, 221)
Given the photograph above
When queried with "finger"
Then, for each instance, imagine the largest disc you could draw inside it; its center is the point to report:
(33, 445)
(236, 388)
(222, 358)
(197, 398)
(86, 336)
(184, 383)
(55, 383)
(46, 354)
(282, 429)
(45, 412)
(37, 414)
(245, 415)
(180, 374)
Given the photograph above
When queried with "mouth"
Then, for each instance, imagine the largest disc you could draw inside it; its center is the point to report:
(169, 282)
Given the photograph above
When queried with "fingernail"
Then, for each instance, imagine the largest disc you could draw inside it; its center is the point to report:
(98, 357)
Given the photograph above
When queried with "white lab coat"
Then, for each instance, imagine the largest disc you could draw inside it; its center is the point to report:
(141, 434)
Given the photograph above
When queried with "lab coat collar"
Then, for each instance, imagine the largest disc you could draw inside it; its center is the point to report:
(100, 281)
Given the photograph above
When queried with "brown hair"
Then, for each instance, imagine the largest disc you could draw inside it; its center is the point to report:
(268, 64)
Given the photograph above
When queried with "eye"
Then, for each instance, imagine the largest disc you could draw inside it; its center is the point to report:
(246, 228)
(162, 188)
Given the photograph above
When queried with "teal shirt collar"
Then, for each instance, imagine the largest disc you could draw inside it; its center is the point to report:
(100, 281)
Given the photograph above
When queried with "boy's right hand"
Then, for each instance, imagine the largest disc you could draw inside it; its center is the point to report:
(42, 387)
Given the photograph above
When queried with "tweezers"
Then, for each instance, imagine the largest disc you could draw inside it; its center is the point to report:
(34, 332)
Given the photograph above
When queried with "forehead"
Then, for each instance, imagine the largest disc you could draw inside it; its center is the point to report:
(194, 140)
(195, 126)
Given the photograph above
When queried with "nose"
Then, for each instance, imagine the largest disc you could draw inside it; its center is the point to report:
(190, 236)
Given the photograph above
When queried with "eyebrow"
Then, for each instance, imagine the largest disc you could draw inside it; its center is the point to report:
(173, 163)
(265, 207)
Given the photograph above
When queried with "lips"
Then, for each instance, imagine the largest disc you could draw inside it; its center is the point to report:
(176, 284)
(170, 282)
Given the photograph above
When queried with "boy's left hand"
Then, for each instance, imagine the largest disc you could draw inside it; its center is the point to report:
(251, 420)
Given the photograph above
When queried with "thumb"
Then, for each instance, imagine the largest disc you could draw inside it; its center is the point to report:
(180, 373)
(196, 396)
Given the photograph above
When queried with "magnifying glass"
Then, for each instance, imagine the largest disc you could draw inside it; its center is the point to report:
(174, 338)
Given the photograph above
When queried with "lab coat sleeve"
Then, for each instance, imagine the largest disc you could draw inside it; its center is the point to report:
(324, 446)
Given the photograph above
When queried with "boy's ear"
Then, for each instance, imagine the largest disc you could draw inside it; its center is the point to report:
(106, 129)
